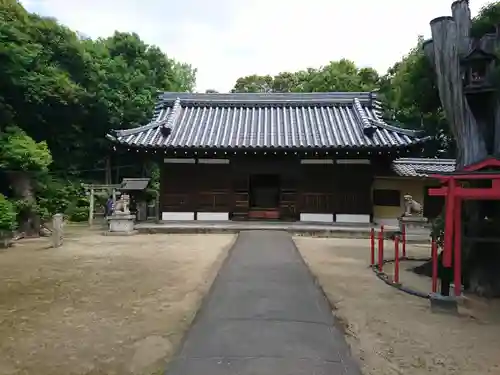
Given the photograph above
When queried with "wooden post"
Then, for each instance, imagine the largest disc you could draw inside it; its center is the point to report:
(396, 260)
(381, 249)
(372, 247)
(458, 248)
(157, 207)
(91, 207)
(449, 226)
(434, 256)
(403, 239)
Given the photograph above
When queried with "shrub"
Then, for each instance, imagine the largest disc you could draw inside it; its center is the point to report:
(78, 214)
(7, 216)
(62, 196)
(437, 231)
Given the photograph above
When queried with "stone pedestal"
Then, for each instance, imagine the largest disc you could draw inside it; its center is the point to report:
(414, 224)
(121, 224)
(417, 228)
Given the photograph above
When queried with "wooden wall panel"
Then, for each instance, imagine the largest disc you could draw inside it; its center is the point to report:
(178, 187)
(354, 189)
(317, 188)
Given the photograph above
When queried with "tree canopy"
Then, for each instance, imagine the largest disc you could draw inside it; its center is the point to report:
(61, 93)
(342, 75)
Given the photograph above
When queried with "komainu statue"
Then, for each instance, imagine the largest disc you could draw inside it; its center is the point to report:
(412, 207)
(122, 205)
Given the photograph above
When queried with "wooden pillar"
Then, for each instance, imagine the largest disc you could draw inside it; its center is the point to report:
(449, 226)
(448, 239)
(458, 247)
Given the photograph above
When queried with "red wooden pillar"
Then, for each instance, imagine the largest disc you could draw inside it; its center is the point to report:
(381, 249)
(372, 247)
(449, 225)
(457, 274)
(396, 260)
(434, 254)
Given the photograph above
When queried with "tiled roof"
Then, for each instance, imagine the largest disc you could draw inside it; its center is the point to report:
(277, 120)
(421, 167)
(135, 184)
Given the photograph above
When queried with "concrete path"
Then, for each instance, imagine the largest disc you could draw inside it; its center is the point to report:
(264, 316)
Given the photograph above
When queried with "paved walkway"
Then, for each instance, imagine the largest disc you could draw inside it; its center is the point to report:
(264, 316)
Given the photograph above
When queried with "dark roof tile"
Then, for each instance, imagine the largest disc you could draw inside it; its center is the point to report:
(422, 167)
(277, 120)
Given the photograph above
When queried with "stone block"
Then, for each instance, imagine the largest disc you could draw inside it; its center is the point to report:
(443, 304)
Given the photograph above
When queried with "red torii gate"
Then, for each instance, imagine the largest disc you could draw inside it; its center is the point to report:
(455, 194)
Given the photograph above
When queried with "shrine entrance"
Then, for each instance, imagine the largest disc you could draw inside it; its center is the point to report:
(264, 196)
(455, 192)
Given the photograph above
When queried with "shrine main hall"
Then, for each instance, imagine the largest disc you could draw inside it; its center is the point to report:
(314, 157)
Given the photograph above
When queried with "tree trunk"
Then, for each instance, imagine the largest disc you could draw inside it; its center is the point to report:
(450, 42)
(29, 221)
(471, 146)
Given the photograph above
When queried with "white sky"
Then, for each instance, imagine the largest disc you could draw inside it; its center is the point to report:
(227, 39)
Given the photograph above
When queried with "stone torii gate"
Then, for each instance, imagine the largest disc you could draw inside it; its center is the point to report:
(92, 189)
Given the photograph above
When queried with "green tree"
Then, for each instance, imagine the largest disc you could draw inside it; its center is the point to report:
(7, 216)
(410, 97)
(62, 92)
(22, 159)
(342, 75)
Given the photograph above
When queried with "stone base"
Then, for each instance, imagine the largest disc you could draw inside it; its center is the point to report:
(121, 223)
(118, 234)
(443, 304)
(413, 224)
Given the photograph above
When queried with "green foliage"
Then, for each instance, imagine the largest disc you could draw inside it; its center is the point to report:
(70, 91)
(7, 215)
(437, 230)
(486, 20)
(342, 75)
(410, 93)
(20, 152)
(402, 91)
(63, 93)
(60, 196)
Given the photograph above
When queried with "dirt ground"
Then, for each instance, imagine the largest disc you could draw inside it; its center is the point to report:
(102, 305)
(391, 332)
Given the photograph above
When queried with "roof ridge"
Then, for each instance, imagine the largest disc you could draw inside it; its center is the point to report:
(362, 115)
(382, 124)
(125, 132)
(265, 98)
(425, 161)
(173, 115)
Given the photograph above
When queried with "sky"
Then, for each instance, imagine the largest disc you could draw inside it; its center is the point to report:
(228, 39)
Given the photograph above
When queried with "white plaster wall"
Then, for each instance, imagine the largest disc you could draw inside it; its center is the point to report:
(388, 222)
(319, 218)
(213, 216)
(177, 216)
(351, 218)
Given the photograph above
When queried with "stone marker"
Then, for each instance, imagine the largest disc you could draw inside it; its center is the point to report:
(57, 230)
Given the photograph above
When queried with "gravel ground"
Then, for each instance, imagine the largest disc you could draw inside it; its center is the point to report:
(102, 305)
(391, 332)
